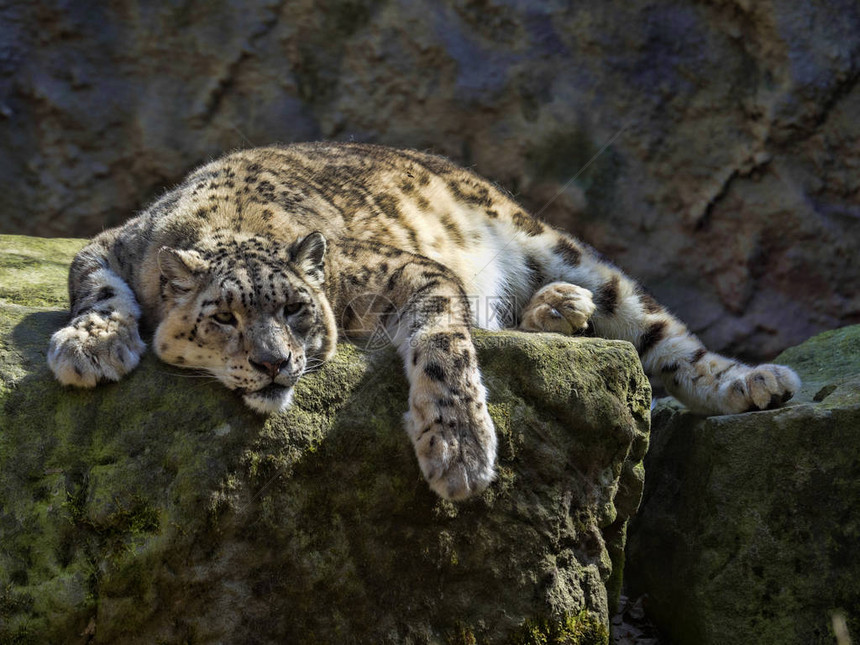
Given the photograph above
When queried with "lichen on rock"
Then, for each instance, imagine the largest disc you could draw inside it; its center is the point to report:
(160, 509)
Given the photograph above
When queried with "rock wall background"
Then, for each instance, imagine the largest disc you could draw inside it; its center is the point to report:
(727, 174)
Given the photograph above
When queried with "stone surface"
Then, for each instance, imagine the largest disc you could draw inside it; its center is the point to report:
(160, 509)
(34, 271)
(749, 523)
(711, 148)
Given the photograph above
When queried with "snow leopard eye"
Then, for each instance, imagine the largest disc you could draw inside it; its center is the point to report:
(293, 308)
(225, 318)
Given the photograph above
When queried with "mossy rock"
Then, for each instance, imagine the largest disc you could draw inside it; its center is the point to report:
(749, 530)
(161, 510)
(34, 270)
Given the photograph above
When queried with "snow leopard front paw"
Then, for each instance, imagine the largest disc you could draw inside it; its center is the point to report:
(763, 387)
(456, 452)
(95, 346)
(455, 442)
(558, 307)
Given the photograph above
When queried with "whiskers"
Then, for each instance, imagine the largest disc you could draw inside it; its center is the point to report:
(313, 364)
(204, 376)
(197, 374)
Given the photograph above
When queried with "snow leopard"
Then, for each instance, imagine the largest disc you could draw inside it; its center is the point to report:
(255, 265)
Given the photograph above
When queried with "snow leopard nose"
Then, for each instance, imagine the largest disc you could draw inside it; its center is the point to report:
(271, 365)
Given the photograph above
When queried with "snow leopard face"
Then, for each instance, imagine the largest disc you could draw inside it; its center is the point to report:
(248, 311)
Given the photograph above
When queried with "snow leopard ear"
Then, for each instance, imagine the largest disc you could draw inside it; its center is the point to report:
(181, 268)
(308, 255)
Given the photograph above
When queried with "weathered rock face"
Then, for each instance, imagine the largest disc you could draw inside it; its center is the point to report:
(727, 178)
(160, 509)
(749, 525)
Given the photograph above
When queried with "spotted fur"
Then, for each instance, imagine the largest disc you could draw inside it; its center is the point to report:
(256, 263)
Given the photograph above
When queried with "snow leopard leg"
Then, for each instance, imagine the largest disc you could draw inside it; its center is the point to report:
(428, 320)
(616, 307)
(101, 341)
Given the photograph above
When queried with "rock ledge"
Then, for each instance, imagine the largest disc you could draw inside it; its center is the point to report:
(159, 509)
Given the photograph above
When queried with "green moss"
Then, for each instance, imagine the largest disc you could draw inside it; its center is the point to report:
(131, 518)
(14, 602)
(125, 522)
(827, 364)
(582, 629)
(18, 635)
(462, 636)
(33, 270)
(75, 505)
